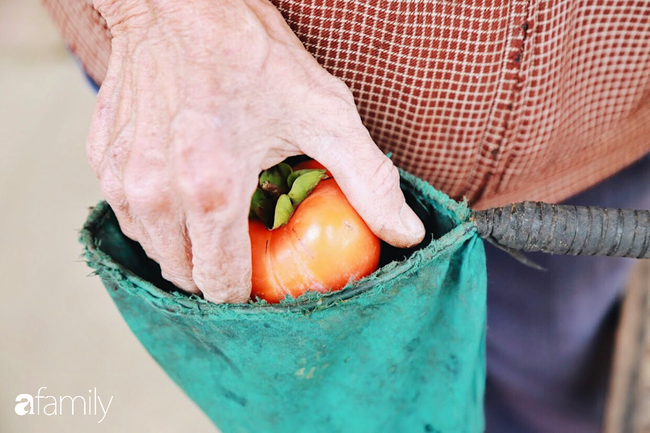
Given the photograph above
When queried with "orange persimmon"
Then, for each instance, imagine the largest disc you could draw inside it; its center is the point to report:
(324, 245)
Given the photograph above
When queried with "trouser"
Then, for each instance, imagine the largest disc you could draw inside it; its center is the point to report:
(550, 334)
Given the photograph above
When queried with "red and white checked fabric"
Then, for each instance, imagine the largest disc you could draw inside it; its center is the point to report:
(497, 101)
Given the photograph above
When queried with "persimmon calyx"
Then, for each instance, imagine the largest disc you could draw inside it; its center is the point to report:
(274, 180)
(283, 211)
(280, 192)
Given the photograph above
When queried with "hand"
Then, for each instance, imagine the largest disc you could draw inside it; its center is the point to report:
(200, 96)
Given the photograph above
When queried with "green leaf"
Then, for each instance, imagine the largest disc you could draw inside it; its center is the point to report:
(293, 176)
(283, 211)
(285, 170)
(256, 203)
(274, 180)
(304, 184)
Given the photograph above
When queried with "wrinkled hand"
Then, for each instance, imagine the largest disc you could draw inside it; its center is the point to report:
(200, 96)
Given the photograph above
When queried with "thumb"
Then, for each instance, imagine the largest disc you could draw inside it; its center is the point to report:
(371, 183)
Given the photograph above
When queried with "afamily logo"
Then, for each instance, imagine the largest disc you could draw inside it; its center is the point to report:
(60, 405)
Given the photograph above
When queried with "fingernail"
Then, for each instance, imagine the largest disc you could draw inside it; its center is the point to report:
(412, 223)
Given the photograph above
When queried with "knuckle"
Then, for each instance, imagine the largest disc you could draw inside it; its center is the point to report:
(146, 246)
(132, 229)
(111, 186)
(339, 88)
(132, 232)
(144, 191)
(206, 193)
(343, 93)
(181, 279)
(113, 191)
(386, 179)
(335, 91)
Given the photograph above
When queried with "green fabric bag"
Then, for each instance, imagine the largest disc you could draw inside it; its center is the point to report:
(402, 350)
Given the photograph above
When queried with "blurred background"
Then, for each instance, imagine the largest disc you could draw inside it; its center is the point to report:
(58, 327)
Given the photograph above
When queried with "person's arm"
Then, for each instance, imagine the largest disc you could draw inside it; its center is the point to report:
(200, 96)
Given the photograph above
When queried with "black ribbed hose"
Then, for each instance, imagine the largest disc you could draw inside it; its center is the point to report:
(564, 229)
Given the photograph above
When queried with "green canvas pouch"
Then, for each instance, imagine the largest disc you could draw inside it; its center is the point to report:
(402, 350)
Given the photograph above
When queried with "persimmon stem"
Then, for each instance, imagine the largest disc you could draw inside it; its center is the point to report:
(280, 192)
